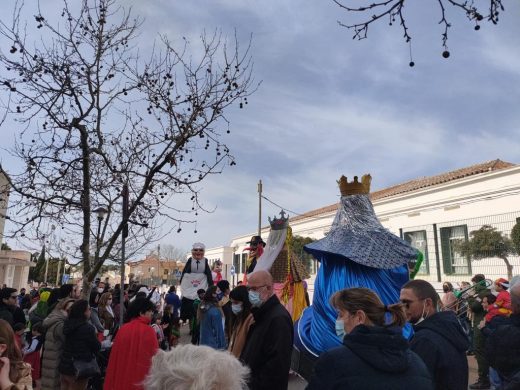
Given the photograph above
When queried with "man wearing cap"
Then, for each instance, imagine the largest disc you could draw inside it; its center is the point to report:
(475, 305)
(196, 264)
(256, 248)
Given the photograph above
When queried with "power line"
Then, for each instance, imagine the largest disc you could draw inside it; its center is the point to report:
(283, 208)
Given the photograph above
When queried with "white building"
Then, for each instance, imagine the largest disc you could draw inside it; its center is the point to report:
(14, 265)
(430, 213)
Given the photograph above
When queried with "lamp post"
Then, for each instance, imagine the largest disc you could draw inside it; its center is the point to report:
(53, 227)
(100, 213)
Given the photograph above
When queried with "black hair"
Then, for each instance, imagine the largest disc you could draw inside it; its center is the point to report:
(94, 298)
(137, 307)
(78, 309)
(490, 298)
(240, 294)
(423, 290)
(19, 326)
(201, 291)
(66, 290)
(208, 295)
(223, 285)
(6, 292)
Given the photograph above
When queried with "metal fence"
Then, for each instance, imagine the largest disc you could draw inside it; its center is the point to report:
(440, 243)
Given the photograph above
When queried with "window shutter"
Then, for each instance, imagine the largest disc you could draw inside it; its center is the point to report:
(468, 258)
(445, 249)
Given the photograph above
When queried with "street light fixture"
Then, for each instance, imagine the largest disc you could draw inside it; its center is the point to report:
(101, 212)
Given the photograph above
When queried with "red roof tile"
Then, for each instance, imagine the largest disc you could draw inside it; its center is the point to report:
(417, 184)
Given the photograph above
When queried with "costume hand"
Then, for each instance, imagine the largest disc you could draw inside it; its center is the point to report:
(5, 382)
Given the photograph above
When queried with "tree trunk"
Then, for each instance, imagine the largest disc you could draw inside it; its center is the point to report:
(509, 268)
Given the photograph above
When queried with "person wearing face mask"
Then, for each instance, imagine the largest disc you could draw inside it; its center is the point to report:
(105, 311)
(241, 321)
(210, 318)
(374, 353)
(134, 346)
(268, 347)
(439, 338)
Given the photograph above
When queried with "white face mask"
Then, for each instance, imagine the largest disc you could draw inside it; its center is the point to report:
(423, 315)
(100, 290)
(236, 308)
(340, 328)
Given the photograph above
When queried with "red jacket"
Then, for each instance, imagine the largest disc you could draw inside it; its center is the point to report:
(131, 355)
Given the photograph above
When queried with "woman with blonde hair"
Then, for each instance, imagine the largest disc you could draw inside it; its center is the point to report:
(105, 312)
(374, 353)
(191, 367)
(20, 372)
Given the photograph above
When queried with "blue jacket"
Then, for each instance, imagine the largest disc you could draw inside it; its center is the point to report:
(211, 326)
(371, 358)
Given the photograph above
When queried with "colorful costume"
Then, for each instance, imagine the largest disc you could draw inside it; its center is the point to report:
(357, 252)
(285, 266)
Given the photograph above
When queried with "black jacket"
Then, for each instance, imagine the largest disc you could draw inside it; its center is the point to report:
(81, 343)
(441, 343)
(371, 357)
(503, 348)
(268, 346)
(207, 271)
(6, 314)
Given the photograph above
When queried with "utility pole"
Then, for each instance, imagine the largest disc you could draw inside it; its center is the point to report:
(158, 265)
(259, 207)
(124, 235)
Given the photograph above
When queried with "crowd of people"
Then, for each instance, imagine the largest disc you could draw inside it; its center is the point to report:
(242, 337)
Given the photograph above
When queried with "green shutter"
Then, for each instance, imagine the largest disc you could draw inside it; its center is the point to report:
(445, 249)
(468, 258)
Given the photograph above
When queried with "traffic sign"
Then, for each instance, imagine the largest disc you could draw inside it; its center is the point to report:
(232, 271)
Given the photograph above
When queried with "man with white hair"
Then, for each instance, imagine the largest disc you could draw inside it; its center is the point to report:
(503, 346)
(268, 347)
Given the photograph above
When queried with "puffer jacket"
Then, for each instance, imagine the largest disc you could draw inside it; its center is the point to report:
(371, 357)
(81, 343)
(52, 349)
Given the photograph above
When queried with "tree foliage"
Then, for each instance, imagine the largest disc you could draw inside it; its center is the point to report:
(297, 244)
(487, 242)
(393, 11)
(95, 113)
(515, 236)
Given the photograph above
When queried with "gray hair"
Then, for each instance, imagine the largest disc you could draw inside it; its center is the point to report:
(191, 367)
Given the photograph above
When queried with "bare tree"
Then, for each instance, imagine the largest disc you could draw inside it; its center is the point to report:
(173, 253)
(94, 113)
(393, 12)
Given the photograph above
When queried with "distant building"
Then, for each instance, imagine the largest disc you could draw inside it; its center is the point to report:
(14, 265)
(431, 213)
(154, 271)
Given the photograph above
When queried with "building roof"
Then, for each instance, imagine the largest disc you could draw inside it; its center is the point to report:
(417, 184)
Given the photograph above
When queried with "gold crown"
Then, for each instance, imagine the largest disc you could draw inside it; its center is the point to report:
(355, 187)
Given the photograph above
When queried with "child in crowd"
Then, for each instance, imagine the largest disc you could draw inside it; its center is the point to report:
(31, 353)
(503, 302)
(158, 327)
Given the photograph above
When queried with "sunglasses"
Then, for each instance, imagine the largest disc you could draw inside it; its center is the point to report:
(197, 250)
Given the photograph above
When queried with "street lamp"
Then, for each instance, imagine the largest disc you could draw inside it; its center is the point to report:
(53, 227)
(100, 212)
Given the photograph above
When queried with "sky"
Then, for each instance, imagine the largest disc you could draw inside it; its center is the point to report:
(330, 105)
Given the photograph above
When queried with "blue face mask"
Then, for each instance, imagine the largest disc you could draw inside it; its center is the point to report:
(220, 295)
(254, 298)
(340, 328)
(236, 308)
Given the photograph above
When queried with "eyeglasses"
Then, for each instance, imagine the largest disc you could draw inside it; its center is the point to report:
(255, 288)
(407, 303)
(197, 250)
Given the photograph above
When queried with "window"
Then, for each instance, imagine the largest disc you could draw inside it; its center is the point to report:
(454, 263)
(236, 262)
(243, 269)
(418, 240)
